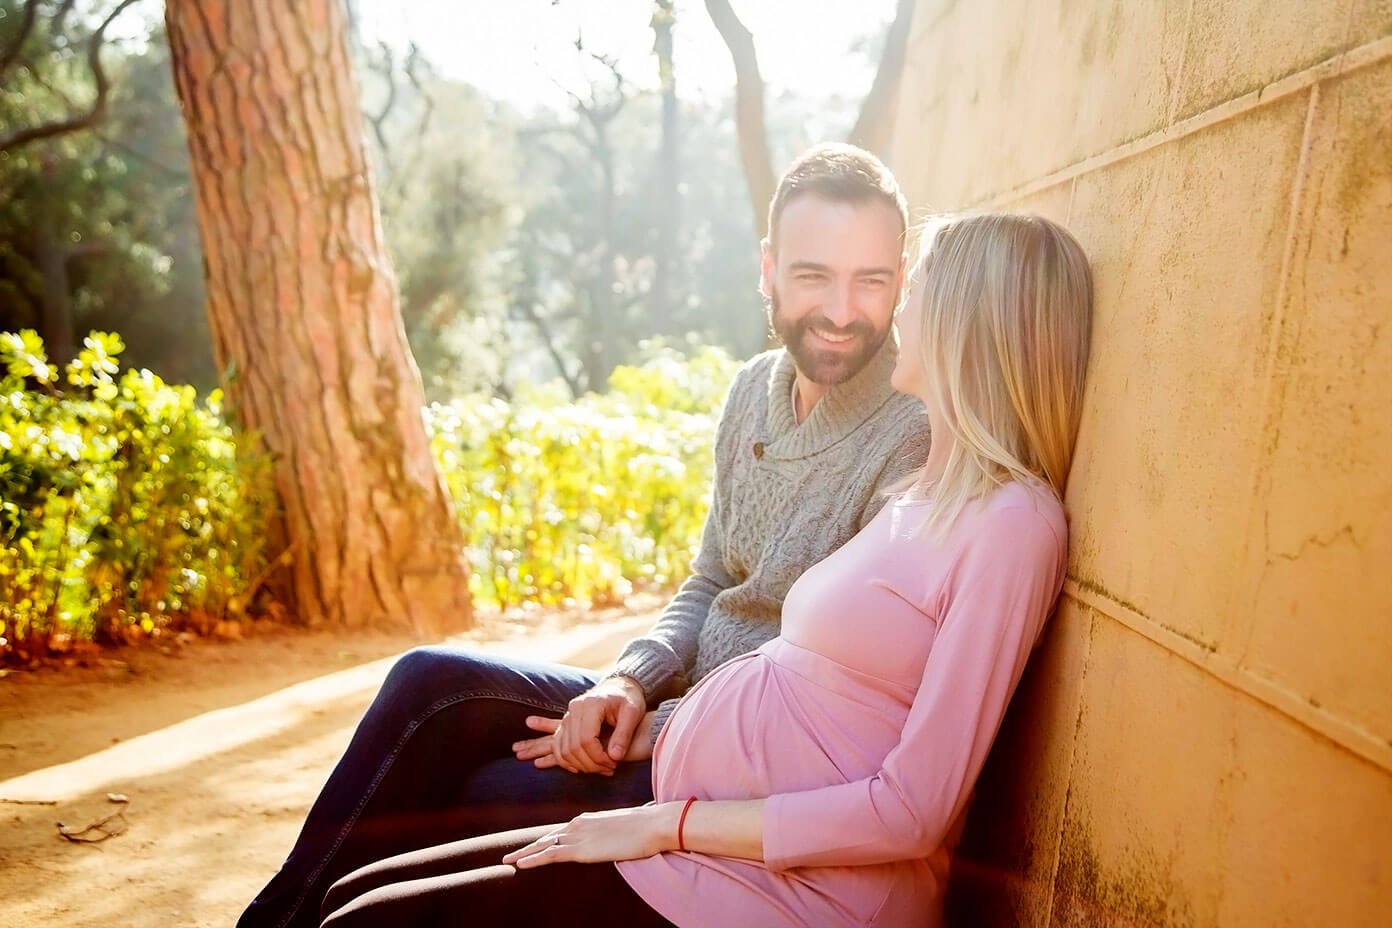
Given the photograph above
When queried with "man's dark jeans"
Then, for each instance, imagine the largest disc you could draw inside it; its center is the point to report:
(431, 762)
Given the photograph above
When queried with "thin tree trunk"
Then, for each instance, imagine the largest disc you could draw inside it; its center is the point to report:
(665, 287)
(875, 123)
(302, 304)
(750, 129)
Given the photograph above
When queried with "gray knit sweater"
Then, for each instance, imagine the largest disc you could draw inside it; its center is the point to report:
(786, 495)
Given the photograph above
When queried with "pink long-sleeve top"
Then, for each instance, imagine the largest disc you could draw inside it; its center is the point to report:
(865, 724)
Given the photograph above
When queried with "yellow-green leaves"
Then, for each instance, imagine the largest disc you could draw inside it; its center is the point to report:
(581, 500)
(126, 507)
(24, 356)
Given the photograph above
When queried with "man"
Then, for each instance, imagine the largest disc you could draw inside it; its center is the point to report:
(810, 437)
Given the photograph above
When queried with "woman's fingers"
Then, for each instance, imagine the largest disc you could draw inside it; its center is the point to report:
(547, 849)
(527, 750)
(621, 834)
(535, 749)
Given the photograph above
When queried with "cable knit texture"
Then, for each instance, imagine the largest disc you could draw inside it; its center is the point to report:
(786, 496)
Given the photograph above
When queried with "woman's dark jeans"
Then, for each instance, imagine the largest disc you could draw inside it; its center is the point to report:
(431, 762)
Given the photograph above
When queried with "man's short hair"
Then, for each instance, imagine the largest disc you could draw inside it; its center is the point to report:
(841, 173)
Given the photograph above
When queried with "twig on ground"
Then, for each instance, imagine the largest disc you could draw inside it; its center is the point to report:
(109, 827)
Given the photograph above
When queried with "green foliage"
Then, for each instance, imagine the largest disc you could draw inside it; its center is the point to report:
(97, 226)
(582, 499)
(126, 505)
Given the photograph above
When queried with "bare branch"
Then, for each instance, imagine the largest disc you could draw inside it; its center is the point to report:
(415, 61)
(749, 110)
(26, 27)
(876, 120)
(60, 18)
(529, 313)
(386, 68)
(86, 120)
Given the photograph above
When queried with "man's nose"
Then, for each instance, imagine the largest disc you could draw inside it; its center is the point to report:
(838, 308)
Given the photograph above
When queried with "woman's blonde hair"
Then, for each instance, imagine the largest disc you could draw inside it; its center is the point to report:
(1006, 309)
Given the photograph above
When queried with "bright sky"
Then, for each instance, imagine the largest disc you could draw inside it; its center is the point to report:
(520, 50)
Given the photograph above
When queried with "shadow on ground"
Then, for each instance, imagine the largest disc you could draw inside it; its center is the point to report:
(204, 833)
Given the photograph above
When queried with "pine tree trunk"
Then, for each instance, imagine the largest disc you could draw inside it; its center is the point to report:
(302, 304)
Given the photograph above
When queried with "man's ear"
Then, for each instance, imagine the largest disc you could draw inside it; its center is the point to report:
(766, 268)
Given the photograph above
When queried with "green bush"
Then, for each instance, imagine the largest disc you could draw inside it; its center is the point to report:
(567, 500)
(126, 505)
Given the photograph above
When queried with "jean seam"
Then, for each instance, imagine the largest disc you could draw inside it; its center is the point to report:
(386, 766)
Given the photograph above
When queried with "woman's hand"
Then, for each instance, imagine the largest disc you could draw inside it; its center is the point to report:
(542, 751)
(622, 834)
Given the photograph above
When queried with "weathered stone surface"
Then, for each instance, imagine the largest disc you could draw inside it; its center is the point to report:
(1186, 242)
(1321, 606)
(1205, 737)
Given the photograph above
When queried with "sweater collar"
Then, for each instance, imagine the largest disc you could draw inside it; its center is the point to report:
(839, 412)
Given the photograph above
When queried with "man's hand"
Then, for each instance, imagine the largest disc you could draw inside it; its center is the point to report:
(540, 751)
(573, 742)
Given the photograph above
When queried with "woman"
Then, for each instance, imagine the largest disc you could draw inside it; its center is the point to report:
(822, 779)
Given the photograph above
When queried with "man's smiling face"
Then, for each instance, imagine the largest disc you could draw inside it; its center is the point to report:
(832, 278)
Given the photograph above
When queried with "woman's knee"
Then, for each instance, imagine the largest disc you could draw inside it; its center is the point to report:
(350, 887)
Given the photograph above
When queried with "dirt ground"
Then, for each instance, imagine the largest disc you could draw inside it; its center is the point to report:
(217, 748)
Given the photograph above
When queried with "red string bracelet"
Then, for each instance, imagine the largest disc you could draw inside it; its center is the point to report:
(681, 823)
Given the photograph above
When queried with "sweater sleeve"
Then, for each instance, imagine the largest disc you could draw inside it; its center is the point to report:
(662, 660)
(997, 599)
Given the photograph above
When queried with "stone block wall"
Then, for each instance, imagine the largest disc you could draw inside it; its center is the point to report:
(1205, 737)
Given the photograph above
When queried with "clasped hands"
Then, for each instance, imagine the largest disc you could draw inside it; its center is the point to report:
(575, 742)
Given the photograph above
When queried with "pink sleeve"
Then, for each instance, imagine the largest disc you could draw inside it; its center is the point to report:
(998, 598)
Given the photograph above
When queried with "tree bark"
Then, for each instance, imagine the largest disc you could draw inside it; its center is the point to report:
(750, 128)
(303, 307)
(875, 123)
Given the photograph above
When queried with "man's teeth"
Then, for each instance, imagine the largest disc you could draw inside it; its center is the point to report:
(832, 337)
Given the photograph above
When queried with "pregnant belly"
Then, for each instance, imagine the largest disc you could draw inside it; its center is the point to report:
(754, 727)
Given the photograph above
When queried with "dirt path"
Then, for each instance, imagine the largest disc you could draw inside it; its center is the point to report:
(219, 748)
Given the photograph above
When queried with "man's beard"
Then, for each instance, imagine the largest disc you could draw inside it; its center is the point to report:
(821, 365)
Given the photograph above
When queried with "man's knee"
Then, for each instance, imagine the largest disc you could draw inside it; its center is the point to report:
(424, 669)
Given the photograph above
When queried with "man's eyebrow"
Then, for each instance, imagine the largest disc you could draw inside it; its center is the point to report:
(825, 269)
